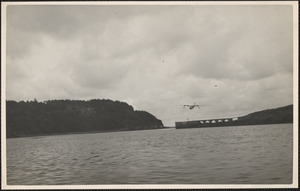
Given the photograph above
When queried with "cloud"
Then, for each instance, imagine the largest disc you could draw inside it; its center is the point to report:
(232, 59)
(243, 49)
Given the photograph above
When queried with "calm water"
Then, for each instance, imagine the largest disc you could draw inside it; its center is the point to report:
(226, 155)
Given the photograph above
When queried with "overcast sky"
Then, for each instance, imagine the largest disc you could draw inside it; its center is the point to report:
(232, 59)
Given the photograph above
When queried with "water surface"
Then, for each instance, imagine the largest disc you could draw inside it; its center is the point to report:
(225, 155)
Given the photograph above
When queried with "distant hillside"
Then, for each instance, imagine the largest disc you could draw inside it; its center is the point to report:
(69, 116)
(269, 116)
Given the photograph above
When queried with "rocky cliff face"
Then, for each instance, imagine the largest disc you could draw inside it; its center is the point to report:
(68, 116)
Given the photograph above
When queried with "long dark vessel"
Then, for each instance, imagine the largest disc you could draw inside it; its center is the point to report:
(269, 116)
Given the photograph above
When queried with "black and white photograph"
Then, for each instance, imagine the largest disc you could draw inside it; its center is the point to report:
(149, 94)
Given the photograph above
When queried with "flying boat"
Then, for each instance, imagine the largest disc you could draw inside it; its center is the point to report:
(192, 106)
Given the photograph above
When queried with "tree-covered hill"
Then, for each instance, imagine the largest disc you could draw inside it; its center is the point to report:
(269, 116)
(68, 116)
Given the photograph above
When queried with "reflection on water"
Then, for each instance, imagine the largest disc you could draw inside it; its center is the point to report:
(227, 155)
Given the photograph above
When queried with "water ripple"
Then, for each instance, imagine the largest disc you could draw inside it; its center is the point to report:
(231, 155)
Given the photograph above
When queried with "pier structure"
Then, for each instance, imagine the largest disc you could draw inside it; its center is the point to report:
(218, 122)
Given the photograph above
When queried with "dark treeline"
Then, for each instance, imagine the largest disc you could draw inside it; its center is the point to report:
(66, 116)
(269, 116)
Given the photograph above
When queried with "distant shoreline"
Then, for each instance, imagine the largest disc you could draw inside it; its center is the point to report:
(269, 116)
(114, 131)
(85, 132)
(236, 125)
(55, 117)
